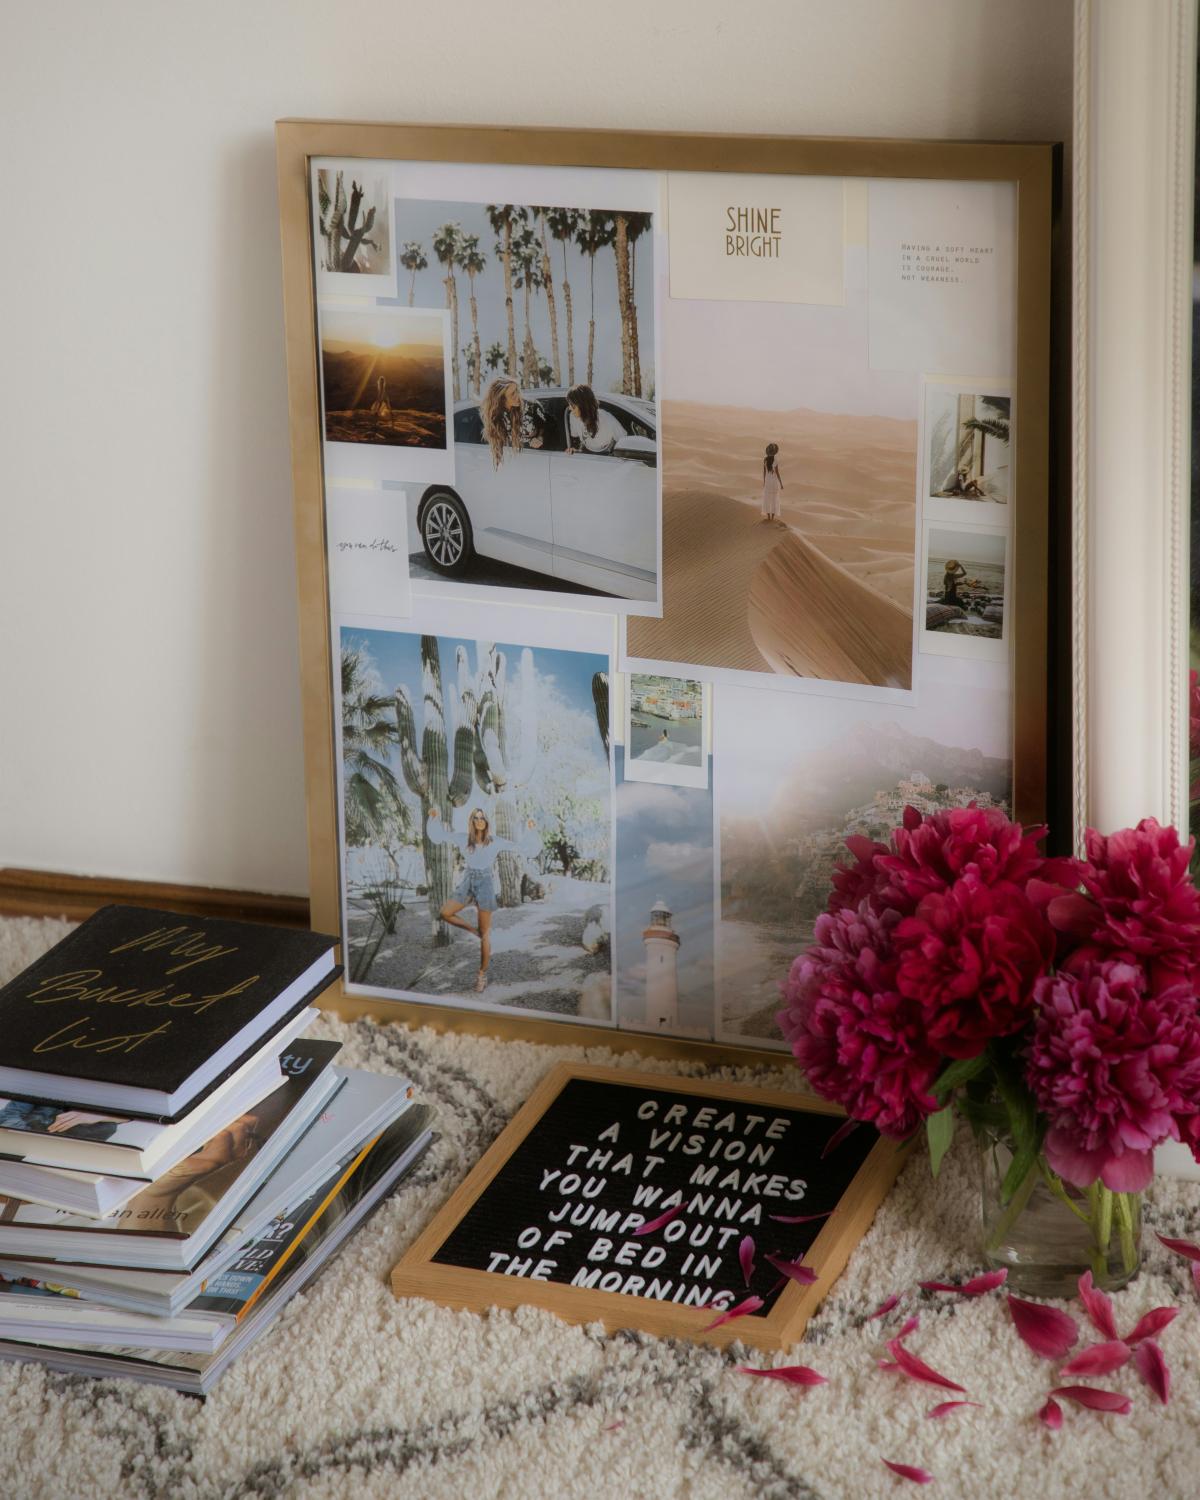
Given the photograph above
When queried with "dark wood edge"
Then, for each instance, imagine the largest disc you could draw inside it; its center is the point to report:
(49, 893)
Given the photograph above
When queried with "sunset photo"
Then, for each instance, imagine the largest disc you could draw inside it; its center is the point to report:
(383, 377)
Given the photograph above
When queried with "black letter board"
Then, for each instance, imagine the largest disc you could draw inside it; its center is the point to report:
(551, 1213)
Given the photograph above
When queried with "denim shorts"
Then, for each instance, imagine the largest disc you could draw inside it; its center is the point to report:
(477, 888)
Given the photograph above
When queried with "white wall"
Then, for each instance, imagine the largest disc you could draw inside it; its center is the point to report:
(149, 708)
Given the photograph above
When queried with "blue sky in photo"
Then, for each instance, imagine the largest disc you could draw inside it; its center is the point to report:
(664, 851)
(396, 655)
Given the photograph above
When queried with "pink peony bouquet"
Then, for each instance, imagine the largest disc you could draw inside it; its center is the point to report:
(957, 970)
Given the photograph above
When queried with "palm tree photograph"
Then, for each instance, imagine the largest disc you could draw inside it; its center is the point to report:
(383, 378)
(969, 444)
(548, 296)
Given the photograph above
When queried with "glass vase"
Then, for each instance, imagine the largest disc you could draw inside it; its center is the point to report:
(1048, 1232)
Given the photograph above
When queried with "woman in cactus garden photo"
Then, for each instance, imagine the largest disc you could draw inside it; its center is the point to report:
(477, 888)
(476, 774)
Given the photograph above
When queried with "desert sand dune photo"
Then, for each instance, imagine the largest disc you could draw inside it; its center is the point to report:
(827, 591)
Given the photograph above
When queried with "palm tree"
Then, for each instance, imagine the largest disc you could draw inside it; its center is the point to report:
(636, 226)
(565, 224)
(593, 234)
(412, 258)
(621, 253)
(995, 426)
(548, 286)
(503, 217)
(446, 241)
(373, 800)
(494, 358)
(472, 260)
(471, 360)
(526, 258)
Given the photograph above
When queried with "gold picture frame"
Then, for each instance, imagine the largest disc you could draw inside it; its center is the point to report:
(1033, 168)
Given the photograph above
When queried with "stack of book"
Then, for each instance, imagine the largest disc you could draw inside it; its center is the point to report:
(177, 1160)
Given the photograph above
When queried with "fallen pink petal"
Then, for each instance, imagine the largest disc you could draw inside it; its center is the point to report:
(747, 1305)
(1099, 1359)
(987, 1282)
(800, 1218)
(1151, 1323)
(1152, 1367)
(885, 1306)
(908, 1471)
(790, 1374)
(1099, 1307)
(1051, 1414)
(910, 1326)
(887, 1364)
(1094, 1398)
(1181, 1247)
(794, 1270)
(613, 1426)
(944, 1408)
(1046, 1330)
(662, 1219)
(917, 1369)
(838, 1136)
(746, 1257)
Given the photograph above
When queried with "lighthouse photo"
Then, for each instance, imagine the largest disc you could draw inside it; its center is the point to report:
(662, 970)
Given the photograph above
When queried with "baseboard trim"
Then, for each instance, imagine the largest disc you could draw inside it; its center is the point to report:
(47, 893)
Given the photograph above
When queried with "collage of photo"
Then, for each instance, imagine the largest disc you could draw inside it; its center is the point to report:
(655, 571)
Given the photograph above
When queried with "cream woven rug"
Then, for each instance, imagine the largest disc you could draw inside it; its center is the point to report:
(355, 1394)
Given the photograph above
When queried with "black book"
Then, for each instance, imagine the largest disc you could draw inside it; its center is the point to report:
(144, 1012)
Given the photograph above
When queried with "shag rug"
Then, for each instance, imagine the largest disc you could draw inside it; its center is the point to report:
(355, 1394)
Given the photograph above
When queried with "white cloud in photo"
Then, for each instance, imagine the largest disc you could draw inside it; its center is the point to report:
(671, 859)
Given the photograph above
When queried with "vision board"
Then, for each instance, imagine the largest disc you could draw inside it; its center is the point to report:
(670, 1204)
(668, 510)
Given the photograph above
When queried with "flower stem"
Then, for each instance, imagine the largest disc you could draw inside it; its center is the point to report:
(1016, 1207)
(1054, 1183)
(1124, 1207)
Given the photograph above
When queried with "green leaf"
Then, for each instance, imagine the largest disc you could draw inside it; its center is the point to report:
(961, 1070)
(940, 1130)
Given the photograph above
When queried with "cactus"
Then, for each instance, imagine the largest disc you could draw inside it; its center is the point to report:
(339, 222)
(600, 700)
(481, 719)
(429, 778)
(505, 743)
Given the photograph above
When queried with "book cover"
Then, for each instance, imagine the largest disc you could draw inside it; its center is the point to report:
(57, 1136)
(138, 999)
(97, 1194)
(178, 1203)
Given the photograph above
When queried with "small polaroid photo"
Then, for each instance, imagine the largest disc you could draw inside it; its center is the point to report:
(353, 249)
(386, 394)
(967, 447)
(966, 591)
(667, 730)
(366, 530)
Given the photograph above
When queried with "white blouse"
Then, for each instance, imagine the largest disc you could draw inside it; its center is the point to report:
(609, 432)
(483, 856)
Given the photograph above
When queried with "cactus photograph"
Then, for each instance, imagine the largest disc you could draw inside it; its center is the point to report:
(476, 821)
(352, 227)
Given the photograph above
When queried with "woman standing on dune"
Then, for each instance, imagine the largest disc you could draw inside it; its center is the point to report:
(772, 485)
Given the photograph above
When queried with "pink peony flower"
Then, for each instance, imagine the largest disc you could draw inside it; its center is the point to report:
(1114, 1057)
(860, 1041)
(929, 854)
(1140, 901)
(970, 957)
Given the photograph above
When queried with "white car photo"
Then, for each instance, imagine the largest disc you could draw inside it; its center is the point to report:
(581, 518)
